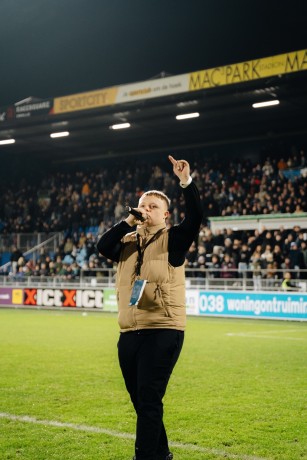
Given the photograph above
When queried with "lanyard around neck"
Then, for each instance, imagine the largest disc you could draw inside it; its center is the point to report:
(141, 250)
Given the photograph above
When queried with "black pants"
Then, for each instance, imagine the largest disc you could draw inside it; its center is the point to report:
(147, 358)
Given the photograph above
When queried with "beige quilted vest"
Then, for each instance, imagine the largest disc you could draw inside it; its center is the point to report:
(163, 302)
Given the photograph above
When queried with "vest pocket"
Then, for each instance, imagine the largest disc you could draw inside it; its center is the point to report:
(152, 296)
(154, 299)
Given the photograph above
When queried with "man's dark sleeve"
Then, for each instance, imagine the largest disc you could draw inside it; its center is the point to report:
(182, 236)
(109, 244)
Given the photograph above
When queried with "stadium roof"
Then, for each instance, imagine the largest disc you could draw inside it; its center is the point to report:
(222, 97)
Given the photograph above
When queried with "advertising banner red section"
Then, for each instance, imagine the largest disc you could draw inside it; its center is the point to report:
(51, 297)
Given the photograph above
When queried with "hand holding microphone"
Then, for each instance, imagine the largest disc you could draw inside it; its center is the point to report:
(136, 214)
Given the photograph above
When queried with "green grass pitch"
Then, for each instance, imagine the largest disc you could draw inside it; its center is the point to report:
(237, 392)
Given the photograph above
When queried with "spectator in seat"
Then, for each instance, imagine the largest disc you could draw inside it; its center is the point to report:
(278, 256)
(15, 256)
(228, 268)
(256, 267)
(244, 258)
(191, 259)
(215, 266)
(296, 260)
(68, 246)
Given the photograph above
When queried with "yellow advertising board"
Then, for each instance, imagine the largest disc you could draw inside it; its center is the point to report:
(17, 296)
(85, 101)
(249, 70)
(218, 76)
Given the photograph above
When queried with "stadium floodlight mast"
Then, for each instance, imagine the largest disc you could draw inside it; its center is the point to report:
(60, 134)
(7, 141)
(259, 105)
(185, 116)
(120, 126)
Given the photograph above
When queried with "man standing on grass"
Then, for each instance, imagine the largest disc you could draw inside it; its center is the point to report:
(151, 302)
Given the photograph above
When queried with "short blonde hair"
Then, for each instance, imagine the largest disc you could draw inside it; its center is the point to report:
(160, 195)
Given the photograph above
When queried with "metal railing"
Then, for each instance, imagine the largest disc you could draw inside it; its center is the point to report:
(245, 279)
(46, 242)
(24, 241)
(196, 278)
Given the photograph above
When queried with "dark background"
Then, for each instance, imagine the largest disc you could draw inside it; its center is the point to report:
(60, 47)
(50, 48)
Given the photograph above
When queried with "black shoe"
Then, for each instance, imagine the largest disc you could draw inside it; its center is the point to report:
(168, 457)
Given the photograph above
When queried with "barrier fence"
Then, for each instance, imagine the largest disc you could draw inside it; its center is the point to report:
(208, 279)
(239, 296)
(199, 302)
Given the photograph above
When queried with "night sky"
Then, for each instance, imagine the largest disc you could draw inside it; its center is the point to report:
(51, 48)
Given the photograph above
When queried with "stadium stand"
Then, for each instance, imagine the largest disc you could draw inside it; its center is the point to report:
(83, 204)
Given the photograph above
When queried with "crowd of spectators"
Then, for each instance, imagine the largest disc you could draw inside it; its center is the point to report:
(258, 255)
(75, 255)
(76, 201)
(225, 255)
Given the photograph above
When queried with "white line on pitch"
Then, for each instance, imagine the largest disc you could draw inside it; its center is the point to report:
(256, 336)
(118, 434)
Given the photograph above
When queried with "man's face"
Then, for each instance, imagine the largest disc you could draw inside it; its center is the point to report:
(155, 208)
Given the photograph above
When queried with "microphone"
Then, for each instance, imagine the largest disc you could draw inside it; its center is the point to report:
(135, 213)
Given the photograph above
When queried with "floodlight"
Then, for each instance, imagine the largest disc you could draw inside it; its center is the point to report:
(259, 105)
(121, 126)
(185, 116)
(7, 141)
(61, 134)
